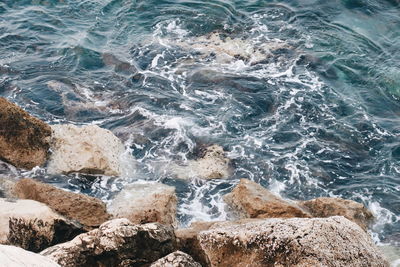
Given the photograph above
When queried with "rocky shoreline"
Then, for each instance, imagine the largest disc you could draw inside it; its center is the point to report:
(41, 225)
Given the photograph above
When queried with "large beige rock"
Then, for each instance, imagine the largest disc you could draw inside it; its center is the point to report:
(212, 164)
(188, 241)
(32, 225)
(145, 202)
(89, 211)
(333, 241)
(115, 243)
(11, 256)
(326, 207)
(176, 259)
(87, 149)
(250, 200)
(24, 140)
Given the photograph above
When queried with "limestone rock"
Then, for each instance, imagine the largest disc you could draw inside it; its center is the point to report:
(24, 140)
(6, 187)
(176, 259)
(145, 202)
(11, 256)
(33, 226)
(89, 211)
(326, 207)
(212, 164)
(333, 241)
(187, 241)
(251, 200)
(87, 149)
(115, 243)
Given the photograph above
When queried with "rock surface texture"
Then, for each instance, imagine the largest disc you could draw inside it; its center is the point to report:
(115, 243)
(176, 259)
(89, 211)
(325, 207)
(24, 140)
(33, 226)
(212, 164)
(11, 256)
(145, 202)
(333, 241)
(250, 200)
(87, 149)
(188, 241)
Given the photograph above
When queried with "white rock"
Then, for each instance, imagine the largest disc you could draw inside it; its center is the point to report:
(88, 149)
(212, 165)
(11, 256)
(144, 202)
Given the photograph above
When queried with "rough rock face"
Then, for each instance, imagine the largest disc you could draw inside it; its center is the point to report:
(187, 241)
(33, 226)
(146, 202)
(251, 200)
(176, 259)
(88, 149)
(326, 207)
(11, 256)
(212, 164)
(24, 140)
(89, 211)
(115, 243)
(333, 241)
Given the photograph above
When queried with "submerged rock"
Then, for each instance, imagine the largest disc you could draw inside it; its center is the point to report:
(226, 49)
(187, 240)
(250, 200)
(33, 226)
(87, 149)
(333, 241)
(212, 164)
(24, 140)
(326, 207)
(11, 256)
(89, 211)
(176, 259)
(145, 202)
(115, 243)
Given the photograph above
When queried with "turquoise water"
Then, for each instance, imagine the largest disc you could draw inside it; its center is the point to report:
(320, 116)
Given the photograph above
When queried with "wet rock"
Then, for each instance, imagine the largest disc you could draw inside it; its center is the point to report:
(33, 226)
(11, 256)
(212, 164)
(326, 207)
(250, 200)
(115, 243)
(187, 241)
(145, 202)
(176, 259)
(6, 187)
(87, 149)
(333, 241)
(89, 211)
(24, 140)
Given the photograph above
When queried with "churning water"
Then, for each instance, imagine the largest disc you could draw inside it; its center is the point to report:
(303, 95)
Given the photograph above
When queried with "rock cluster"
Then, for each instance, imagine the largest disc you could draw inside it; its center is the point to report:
(136, 229)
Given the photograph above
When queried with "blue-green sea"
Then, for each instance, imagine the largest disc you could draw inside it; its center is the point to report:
(317, 115)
